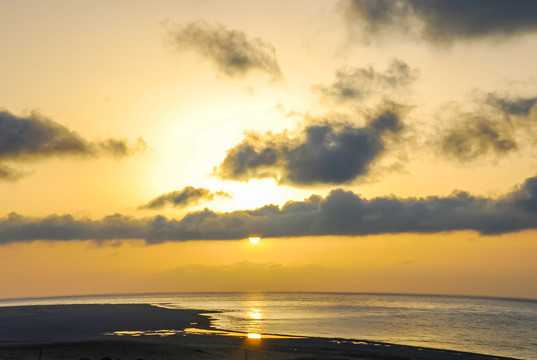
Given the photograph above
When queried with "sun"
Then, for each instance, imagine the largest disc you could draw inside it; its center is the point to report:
(254, 239)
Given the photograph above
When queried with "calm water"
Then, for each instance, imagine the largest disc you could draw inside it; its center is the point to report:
(502, 327)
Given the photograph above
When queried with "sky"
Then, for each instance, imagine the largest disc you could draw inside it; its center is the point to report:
(374, 146)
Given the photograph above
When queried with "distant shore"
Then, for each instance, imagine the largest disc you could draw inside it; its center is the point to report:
(54, 332)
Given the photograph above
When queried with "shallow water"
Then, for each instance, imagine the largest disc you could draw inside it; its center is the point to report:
(503, 327)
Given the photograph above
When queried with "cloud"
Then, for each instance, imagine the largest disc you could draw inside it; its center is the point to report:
(118, 147)
(355, 84)
(230, 50)
(520, 106)
(443, 22)
(525, 196)
(36, 136)
(16, 228)
(322, 154)
(497, 126)
(187, 196)
(32, 137)
(477, 136)
(9, 174)
(339, 213)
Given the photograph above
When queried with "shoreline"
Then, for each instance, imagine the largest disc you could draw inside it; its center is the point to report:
(78, 332)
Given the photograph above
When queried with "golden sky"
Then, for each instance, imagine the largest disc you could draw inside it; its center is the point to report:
(375, 146)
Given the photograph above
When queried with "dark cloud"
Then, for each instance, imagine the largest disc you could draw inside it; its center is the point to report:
(441, 21)
(230, 50)
(255, 157)
(34, 136)
(324, 153)
(525, 196)
(355, 84)
(476, 137)
(339, 213)
(520, 106)
(187, 196)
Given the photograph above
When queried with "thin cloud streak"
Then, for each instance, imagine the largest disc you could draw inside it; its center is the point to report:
(233, 53)
(339, 213)
(187, 196)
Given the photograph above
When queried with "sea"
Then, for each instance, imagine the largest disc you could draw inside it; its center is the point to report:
(492, 326)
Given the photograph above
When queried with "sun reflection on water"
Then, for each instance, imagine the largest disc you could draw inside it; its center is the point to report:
(255, 314)
(254, 319)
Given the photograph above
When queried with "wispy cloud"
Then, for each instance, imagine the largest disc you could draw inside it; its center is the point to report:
(233, 53)
(496, 126)
(9, 174)
(187, 196)
(34, 137)
(511, 105)
(324, 153)
(443, 22)
(477, 136)
(354, 84)
(339, 213)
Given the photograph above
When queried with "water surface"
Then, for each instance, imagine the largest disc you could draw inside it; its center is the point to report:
(503, 327)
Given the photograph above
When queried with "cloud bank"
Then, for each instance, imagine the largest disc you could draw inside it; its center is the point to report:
(339, 213)
(187, 196)
(443, 22)
(35, 137)
(356, 84)
(233, 53)
(320, 154)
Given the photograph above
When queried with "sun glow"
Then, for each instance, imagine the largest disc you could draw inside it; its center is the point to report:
(256, 193)
(254, 239)
(254, 336)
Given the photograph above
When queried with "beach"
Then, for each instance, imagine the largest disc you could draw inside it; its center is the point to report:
(141, 331)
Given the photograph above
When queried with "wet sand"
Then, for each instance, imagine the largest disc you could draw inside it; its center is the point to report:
(80, 332)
